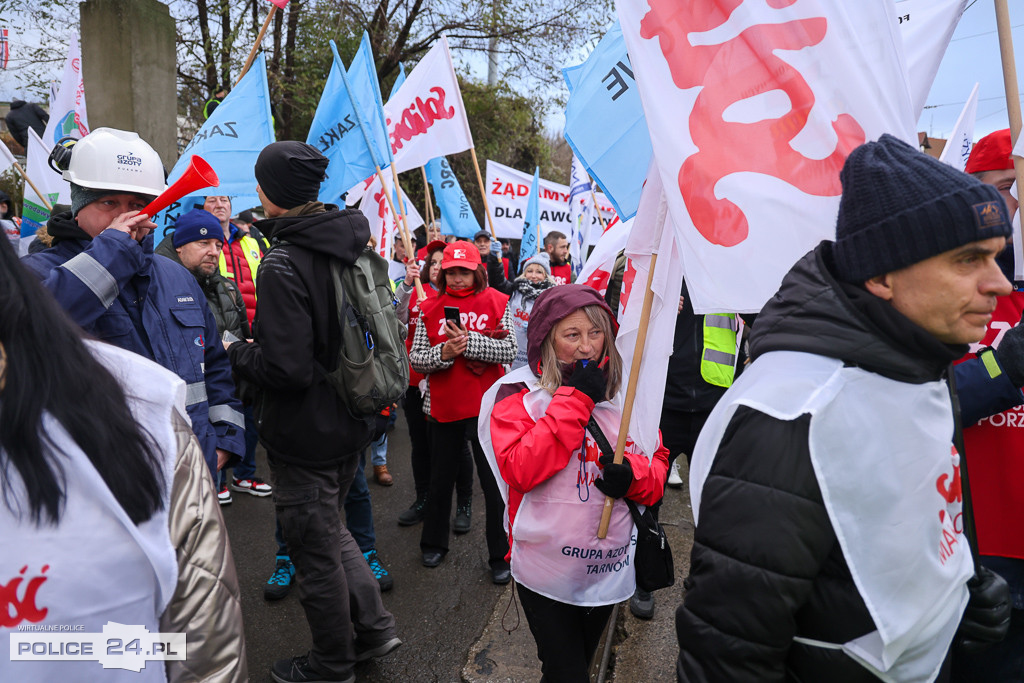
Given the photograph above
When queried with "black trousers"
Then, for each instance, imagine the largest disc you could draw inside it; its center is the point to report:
(337, 589)
(447, 442)
(679, 431)
(567, 635)
(419, 435)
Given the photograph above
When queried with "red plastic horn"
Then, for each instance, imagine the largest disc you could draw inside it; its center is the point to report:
(199, 175)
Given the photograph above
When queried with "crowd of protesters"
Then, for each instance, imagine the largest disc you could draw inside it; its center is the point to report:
(838, 535)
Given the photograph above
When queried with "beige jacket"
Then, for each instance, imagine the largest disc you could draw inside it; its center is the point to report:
(206, 605)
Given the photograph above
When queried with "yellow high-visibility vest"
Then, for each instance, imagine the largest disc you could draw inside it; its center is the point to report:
(718, 358)
(251, 251)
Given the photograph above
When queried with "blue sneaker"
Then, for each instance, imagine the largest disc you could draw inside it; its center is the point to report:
(379, 572)
(280, 582)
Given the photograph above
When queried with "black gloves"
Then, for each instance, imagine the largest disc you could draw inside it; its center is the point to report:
(987, 617)
(1010, 354)
(616, 479)
(589, 379)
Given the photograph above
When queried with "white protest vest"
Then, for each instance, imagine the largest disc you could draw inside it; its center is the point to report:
(520, 322)
(881, 452)
(96, 566)
(555, 549)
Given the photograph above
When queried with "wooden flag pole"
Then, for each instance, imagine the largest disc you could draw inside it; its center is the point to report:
(634, 373)
(406, 236)
(256, 45)
(420, 294)
(483, 192)
(597, 208)
(1010, 83)
(426, 192)
(42, 197)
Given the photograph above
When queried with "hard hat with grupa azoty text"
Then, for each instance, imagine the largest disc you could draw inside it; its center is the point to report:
(110, 159)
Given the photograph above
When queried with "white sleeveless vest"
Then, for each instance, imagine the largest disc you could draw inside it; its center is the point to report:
(881, 452)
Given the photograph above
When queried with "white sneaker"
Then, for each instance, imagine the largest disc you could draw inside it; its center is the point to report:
(674, 480)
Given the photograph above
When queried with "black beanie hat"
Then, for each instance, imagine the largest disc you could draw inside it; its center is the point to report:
(290, 173)
(901, 206)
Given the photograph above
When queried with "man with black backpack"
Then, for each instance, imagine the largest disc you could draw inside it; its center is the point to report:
(313, 439)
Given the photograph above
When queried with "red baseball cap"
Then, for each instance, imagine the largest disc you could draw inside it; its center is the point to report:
(435, 245)
(461, 254)
(991, 153)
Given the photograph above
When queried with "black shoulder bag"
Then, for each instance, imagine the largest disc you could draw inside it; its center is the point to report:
(652, 561)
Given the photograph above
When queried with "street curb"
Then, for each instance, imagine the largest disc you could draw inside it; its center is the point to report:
(498, 656)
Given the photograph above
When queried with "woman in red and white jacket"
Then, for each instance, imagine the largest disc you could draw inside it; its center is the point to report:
(461, 363)
(533, 426)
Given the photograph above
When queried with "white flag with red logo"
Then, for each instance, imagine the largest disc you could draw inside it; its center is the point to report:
(926, 27)
(426, 118)
(377, 210)
(753, 107)
(597, 271)
(652, 233)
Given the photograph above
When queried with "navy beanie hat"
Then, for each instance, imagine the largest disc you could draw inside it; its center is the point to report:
(901, 206)
(197, 224)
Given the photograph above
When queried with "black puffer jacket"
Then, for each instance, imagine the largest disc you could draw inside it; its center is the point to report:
(300, 417)
(766, 565)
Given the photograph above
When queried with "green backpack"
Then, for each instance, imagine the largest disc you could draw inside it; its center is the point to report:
(373, 366)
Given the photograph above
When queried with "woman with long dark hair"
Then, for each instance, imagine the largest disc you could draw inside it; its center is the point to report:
(536, 433)
(461, 361)
(101, 481)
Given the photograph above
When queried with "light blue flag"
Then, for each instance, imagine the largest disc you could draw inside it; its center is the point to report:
(230, 140)
(451, 200)
(365, 91)
(530, 246)
(398, 81)
(336, 132)
(605, 124)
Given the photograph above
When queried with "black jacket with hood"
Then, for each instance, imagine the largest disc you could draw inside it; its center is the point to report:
(24, 115)
(301, 419)
(766, 566)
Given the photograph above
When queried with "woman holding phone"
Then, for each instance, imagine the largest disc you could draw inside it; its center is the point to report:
(461, 361)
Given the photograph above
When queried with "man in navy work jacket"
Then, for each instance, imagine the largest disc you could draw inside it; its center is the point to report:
(102, 271)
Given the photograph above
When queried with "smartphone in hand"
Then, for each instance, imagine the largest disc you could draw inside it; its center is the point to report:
(452, 315)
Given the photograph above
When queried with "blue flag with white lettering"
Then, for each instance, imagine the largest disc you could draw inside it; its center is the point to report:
(335, 131)
(456, 213)
(530, 246)
(230, 140)
(605, 124)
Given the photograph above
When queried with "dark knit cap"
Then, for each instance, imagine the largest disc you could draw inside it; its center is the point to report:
(245, 216)
(290, 173)
(82, 197)
(901, 206)
(197, 224)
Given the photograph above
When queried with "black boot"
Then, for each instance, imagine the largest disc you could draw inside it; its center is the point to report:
(415, 513)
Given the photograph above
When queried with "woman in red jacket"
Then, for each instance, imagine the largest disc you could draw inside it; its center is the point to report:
(533, 426)
(461, 362)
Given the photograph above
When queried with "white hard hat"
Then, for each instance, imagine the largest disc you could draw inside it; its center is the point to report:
(110, 159)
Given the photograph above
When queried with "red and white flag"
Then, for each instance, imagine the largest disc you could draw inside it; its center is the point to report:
(753, 107)
(652, 233)
(383, 227)
(597, 271)
(426, 118)
(5, 48)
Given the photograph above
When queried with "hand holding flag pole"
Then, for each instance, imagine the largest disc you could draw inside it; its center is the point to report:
(634, 374)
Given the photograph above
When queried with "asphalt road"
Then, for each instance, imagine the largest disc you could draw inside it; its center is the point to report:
(440, 612)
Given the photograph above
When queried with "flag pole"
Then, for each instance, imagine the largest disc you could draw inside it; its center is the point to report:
(420, 294)
(1010, 82)
(634, 375)
(426, 191)
(483, 192)
(406, 237)
(597, 208)
(256, 45)
(42, 197)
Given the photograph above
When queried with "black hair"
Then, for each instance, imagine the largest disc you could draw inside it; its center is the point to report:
(49, 369)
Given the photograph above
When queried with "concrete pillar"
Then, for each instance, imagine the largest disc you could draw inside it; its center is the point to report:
(129, 63)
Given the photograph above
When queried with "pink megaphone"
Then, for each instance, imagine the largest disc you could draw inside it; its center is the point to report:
(198, 175)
